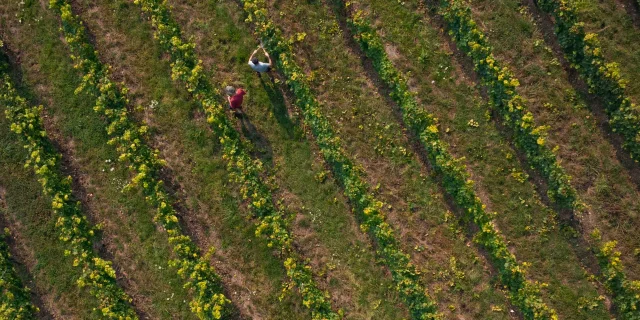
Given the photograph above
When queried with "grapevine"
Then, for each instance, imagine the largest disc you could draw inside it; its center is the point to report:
(405, 275)
(455, 179)
(208, 301)
(15, 302)
(73, 228)
(531, 140)
(245, 171)
(584, 53)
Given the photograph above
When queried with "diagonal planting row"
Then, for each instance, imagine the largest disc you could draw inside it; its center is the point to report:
(501, 85)
(208, 301)
(367, 207)
(456, 182)
(15, 300)
(273, 223)
(73, 228)
(584, 53)
(626, 292)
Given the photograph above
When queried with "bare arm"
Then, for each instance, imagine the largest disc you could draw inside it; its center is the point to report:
(268, 56)
(253, 54)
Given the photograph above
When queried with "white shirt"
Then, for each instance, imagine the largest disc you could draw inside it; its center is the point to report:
(260, 67)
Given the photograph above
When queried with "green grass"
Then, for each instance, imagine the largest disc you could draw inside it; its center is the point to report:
(525, 221)
(326, 230)
(277, 141)
(28, 212)
(619, 38)
(586, 154)
(521, 214)
(138, 249)
(355, 107)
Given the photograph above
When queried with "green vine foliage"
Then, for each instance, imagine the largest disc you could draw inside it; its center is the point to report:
(73, 228)
(455, 178)
(584, 53)
(15, 300)
(626, 292)
(501, 85)
(368, 209)
(208, 301)
(273, 223)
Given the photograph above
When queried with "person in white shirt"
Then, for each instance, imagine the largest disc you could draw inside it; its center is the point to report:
(258, 66)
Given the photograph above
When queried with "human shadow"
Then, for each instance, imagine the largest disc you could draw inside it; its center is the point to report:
(279, 107)
(260, 146)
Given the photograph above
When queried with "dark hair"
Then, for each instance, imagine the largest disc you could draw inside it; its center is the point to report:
(255, 61)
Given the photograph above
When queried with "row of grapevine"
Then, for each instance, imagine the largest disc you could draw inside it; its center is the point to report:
(15, 300)
(208, 301)
(584, 53)
(501, 85)
(405, 275)
(455, 179)
(626, 292)
(273, 222)
(72, 226)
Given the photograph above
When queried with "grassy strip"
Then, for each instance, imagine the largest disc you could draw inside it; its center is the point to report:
(72, 225)
(368, 208)
(15, 301)
(583, 51)
(273, 223)
(501, 85)
(208, 301)
(456, 180)
(530, 140)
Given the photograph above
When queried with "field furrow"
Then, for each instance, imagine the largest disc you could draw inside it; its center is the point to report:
(456, 180)
(15, 302)
(392, 162)
(247, 172)
(72, 225)
(208, 301)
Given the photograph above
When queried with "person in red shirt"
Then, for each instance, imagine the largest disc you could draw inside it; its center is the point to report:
(235, 101)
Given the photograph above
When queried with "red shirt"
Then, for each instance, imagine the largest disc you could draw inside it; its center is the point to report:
(236, 100)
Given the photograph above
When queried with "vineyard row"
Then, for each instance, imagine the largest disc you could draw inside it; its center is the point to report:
(584, 53)
(273, 224)
(502, 85)
(455, 179)
(73, 228)
(368, 209)
(208, 301)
